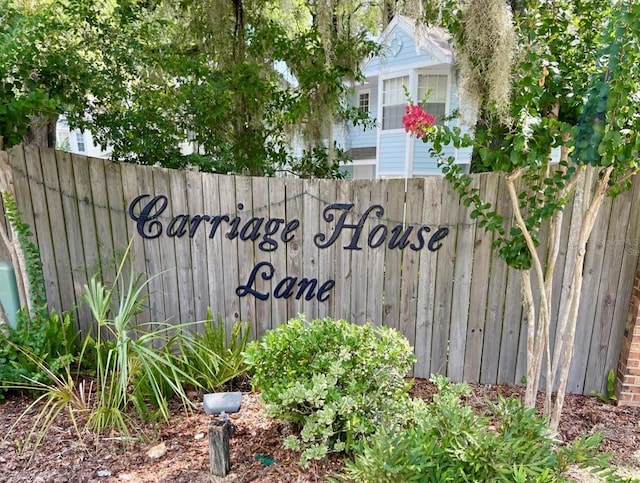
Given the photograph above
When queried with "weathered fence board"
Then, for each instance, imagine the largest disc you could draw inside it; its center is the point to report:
(410, 261)
(58, 233)
(310, 225)
(101, 214)
(495, 302)
(444, 280)
(461, 290)
(394, 211)
(343, 274)
(227, 261)
(426, 281)
(278, 258)
(134, 242)
(213, 264)
(73, 239)
(359, 257)
(630, 247)
(326, 258)
(375, 264)
(246, 254)
(41, 219)
(294, 211)
(200, 272)
(260, 187)
(479, 289)
(184, 267)
(403, 253)
(607, 289)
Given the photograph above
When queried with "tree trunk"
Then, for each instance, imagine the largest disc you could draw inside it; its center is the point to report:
(42, 132)
(569, 318)
(543, 313)
(538, 326)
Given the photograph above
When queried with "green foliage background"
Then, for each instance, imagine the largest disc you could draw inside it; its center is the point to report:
(239, 84)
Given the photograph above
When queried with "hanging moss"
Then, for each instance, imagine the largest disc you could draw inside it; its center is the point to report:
(486, 55)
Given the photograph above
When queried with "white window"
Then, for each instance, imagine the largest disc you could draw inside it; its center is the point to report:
(393, 102)
(363, 102)
(434, 89)
(359, 170)
(80, 140)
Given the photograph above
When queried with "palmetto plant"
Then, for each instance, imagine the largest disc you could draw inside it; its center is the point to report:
(195, 355)
(131, 372)
(58, 394)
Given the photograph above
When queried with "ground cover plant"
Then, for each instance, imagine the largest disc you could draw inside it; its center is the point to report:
(187, 460)
(45, 338)
(194, 354)
(445, 434)
(450, 441)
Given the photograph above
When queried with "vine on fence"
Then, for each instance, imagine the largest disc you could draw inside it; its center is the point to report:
(37, 299)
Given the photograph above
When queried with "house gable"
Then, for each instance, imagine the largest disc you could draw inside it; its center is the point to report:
(404, 46)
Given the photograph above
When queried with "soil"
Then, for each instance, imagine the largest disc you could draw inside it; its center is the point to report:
(179, 452)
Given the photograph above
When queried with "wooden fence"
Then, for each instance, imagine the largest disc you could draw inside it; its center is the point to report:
(401, 253)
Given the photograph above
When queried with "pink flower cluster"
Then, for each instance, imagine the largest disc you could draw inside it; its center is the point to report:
(417, 121)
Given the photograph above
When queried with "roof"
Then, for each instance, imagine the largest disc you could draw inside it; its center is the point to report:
(435, 40)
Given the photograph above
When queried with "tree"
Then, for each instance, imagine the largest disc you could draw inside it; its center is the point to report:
(27, 100)
(235, 78)
(286, 68)
(576, 83)
(53, 60)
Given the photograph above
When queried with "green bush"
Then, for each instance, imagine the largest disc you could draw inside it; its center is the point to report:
(450, 442)
(336, 381)
(40, 337)
(50, 338)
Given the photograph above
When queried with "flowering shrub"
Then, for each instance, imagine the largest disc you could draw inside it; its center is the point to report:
(417, 121)
(337, 382)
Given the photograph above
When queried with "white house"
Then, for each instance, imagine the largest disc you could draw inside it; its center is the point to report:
(81, 142)
(422, 61)
(76, 141)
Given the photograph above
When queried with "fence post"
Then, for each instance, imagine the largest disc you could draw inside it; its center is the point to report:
(628, 373)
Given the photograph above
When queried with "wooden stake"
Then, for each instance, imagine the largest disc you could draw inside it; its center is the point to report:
(219, 458)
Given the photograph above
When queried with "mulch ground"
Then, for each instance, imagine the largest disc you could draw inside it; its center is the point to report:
(182, 453)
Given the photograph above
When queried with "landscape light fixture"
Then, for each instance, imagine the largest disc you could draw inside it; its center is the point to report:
(221, 429)
(222, 403)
